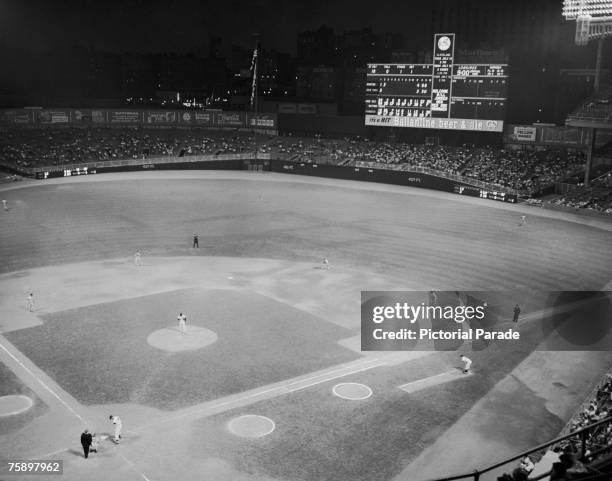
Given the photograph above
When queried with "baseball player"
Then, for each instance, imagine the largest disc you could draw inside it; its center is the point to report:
(30, 302)
(4, 205)
(116, 420)
(468, 363)
(137, 258)
(523, 220)
(196, 242)
(325, 263)
(182, 322)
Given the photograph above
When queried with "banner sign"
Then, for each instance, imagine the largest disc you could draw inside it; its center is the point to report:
(435, 123)
(46, 117)
(136, 118)
(230, 119)
(167, 117)
(259, 120)
(522, 133)
(124, 117)
(546, 135)
(308, 109)
(286, 108)
(87, 116)
(569, 136)
(17, 117)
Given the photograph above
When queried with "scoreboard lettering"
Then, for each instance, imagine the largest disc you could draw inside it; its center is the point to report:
(441, 95)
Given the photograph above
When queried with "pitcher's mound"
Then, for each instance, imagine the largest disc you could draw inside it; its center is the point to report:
(14, 404)
(171, 339)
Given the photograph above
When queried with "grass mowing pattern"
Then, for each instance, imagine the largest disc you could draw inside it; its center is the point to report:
(320, 436)
(99, 354)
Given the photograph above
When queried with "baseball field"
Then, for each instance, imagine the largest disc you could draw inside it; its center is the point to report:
(269, 381)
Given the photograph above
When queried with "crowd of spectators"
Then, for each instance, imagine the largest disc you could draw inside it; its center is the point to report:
(597, 197)
(566, 460)
(36, 148)
(524, 171)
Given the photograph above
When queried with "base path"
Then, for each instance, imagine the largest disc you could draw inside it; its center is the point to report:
(436, 380)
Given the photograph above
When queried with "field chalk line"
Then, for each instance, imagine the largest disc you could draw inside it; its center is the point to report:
(42, 383)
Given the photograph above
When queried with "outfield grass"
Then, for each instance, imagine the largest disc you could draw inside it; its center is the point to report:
(99, 354)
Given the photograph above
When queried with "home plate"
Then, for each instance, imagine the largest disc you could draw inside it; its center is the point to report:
(441, 378)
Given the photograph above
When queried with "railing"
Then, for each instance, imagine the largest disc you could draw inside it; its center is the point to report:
(147, 160)
(439, 173)
(264, 156)
(581, 434)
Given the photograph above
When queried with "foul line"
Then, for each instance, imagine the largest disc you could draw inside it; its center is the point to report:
(133, 466)
(282, 389)
(27, 369)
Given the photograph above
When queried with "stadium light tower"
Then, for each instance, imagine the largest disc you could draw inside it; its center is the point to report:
(593, 22)
(254, 87)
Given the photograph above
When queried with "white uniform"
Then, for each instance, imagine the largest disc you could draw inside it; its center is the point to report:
(4, 205)
(468, 363)
(182, 320)
(116, 420)
(523, 220)
(137, 259)
(325, 263)
(30, 303)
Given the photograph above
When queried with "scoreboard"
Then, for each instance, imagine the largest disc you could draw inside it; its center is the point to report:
(440, 95)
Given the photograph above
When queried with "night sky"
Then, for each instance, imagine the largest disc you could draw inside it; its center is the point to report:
(153, 25)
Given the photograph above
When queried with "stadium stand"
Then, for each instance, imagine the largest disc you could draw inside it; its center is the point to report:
(575, 457)
(525, 172)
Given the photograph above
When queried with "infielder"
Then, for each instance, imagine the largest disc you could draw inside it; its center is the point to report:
(116, 420)
(182, 322)
(325, 263)
(468, 363)
(30, 302)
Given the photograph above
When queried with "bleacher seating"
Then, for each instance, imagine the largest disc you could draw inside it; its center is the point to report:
(526, 172)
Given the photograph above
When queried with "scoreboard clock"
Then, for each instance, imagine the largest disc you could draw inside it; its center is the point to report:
(440, 95)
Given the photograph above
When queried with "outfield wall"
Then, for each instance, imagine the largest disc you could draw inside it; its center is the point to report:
(264, 162)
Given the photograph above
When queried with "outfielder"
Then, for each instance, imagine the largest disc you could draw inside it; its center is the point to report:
(137, 258)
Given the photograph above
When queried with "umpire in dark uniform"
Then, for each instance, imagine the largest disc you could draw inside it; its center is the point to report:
(86, 442)
(517, 311)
